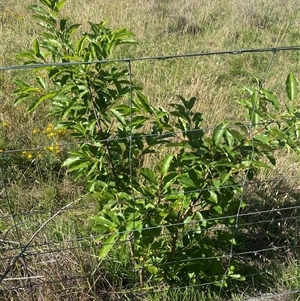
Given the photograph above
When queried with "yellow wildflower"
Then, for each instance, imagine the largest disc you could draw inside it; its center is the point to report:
(35, 131)
(49, 128)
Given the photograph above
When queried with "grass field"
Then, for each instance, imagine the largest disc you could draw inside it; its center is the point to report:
(34, 185)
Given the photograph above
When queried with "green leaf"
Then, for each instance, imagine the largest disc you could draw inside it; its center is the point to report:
(80, 45)
(219, 132)
(256, 118)
(149, 175)
(48, 20)
(38, 101)
(186, 181)
(107, 245)
(62, 98)
(218, 209)
(144, 102)
(72, 29)
(236, 134)
(237, 277)
(270, 96)
(152, 269)
(119, 117)
(216, 183)
(38, 9)
(166, 165)
(224, 176)
(79, 164)
(62, 24)
(21, 84)
(21, 98)
(138, 121)
(36, 47)
(213, 197)
(47, 3)
(260, 164)
(188, 157)
(229, 138)
(41, 82)
(262, 138)
(60, 4)
(291, 87)
(71, 160)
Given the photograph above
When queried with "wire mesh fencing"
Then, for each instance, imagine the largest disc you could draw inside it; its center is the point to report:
(49, 250)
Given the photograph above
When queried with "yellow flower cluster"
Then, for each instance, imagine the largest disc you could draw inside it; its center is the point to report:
(53, 148)
(50, 131)
(26, 154)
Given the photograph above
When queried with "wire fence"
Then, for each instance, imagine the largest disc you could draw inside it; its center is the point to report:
(45, 255)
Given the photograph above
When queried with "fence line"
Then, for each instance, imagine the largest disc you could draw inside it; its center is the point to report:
(30, 249)
(155, 58)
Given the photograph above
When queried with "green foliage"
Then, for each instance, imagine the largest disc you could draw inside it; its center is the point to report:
(176, 213)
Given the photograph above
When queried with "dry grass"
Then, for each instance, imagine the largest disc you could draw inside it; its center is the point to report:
(162, 27)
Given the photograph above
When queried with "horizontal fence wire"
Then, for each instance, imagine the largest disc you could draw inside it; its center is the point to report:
(51, 253)
(155, 58)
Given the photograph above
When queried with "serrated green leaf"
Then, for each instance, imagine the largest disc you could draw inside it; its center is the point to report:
(255, 99)
(36, 47)
(107, 245)
(260, 164)
(71, 160)
(60, 4)
(138, 120)
(166, 165)
(38, 101)
(47, 19)
(262, 138)
(72, 29)
(144, 102)
(80, 164)
(119, 117)
(188, 157)
(62, 97)
(229, 138)
(149, 175)
(271, 97)
(186, 181)
(224, 176)
(291, 87)
(38, 9)
(80, 45)
(219, 132)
